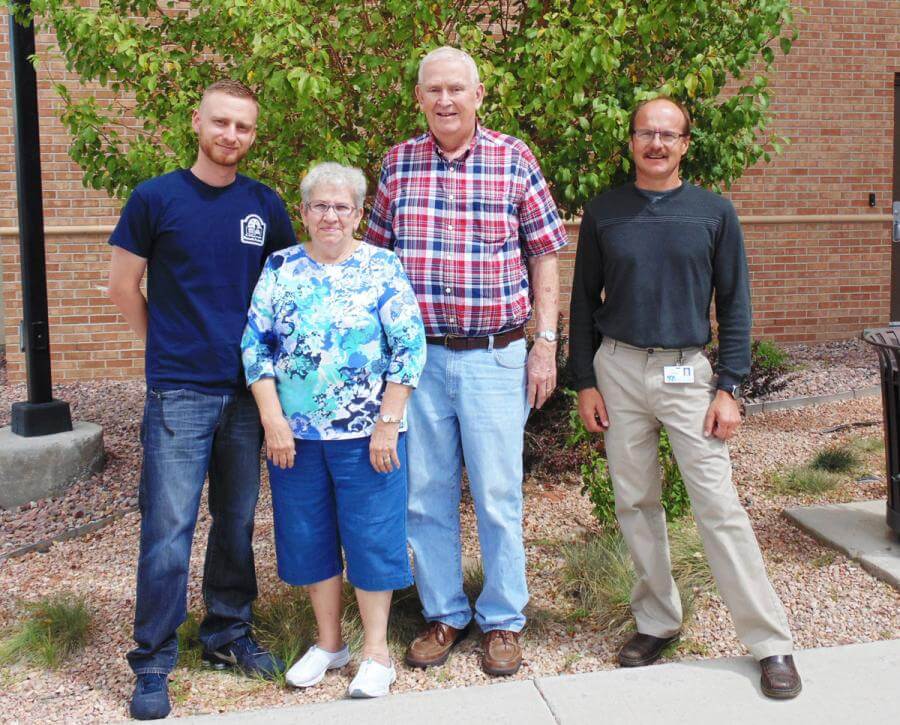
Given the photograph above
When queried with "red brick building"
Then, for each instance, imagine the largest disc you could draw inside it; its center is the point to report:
(819, 253)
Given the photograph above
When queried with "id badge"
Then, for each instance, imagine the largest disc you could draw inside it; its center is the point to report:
(678, 374)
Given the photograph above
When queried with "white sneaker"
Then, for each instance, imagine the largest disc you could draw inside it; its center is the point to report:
(311, 667)
(372, 680)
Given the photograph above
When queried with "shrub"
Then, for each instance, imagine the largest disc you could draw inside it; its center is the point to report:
(546, 453)
(770, 367)
(597, 484)
(336, 76)
(50, 631)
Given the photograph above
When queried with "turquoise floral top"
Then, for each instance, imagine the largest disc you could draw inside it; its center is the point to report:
(332, 336)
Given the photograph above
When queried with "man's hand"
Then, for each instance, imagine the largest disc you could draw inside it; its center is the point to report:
(723, 416)
(279, 441)
(541, 372)
(592, 410)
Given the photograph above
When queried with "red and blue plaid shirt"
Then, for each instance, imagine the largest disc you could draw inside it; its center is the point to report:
(463, 229)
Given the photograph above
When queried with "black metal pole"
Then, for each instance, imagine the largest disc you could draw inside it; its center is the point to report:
(41, 415)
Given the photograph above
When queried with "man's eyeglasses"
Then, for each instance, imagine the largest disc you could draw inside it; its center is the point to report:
(321, 208)
(667, 138)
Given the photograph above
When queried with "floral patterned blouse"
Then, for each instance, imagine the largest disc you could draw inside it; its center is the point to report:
(332, 336)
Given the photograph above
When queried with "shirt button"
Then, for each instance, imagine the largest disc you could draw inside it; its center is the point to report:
(448, 290)
(450, 227)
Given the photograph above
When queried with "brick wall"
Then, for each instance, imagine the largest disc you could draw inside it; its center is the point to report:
(834, 99)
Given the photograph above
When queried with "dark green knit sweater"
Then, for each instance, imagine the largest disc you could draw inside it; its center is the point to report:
(657, 259)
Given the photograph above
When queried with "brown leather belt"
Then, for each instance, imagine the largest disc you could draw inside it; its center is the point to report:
(454, 342)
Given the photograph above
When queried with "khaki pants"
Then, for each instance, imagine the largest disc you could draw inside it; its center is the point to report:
(638, 403)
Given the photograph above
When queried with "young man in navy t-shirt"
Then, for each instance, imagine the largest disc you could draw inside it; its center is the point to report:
(202, 234)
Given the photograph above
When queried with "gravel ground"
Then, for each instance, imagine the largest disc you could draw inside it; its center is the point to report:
(824, 368)
(830, 600)
(828, 367)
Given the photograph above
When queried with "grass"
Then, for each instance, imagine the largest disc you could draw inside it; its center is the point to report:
(806, 480)
(868, 444)
(284, 621)
(600, 574)
(824, 559)
(839, 458)
(51, 630)
(830, 467)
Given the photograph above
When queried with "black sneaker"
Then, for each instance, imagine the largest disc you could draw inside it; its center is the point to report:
(150, 699)
(245, 655)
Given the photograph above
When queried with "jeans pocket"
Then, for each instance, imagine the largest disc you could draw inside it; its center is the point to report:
(166, 399)
(512, 357)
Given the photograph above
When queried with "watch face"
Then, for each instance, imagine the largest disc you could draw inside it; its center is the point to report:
(548, 335)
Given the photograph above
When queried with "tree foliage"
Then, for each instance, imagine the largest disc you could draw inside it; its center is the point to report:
(335, 79)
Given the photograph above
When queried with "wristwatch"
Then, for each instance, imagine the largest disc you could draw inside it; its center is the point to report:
(735, 391)
(389, 419)
(548, 335)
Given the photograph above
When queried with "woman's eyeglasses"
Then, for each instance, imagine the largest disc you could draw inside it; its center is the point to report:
(322, 208)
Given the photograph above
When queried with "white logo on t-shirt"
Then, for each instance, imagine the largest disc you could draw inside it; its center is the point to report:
(253, 230)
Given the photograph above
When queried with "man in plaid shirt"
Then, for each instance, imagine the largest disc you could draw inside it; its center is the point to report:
(469, 214)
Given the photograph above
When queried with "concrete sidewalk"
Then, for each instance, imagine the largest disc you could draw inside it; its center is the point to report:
(851, 684)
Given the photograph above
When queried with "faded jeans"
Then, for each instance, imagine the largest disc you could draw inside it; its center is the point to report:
(185, 435)
(470, 404)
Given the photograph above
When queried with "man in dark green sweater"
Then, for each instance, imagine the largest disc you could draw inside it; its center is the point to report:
(651, 255)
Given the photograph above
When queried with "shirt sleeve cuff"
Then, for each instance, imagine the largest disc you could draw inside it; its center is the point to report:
(584, 382)
(727, 382)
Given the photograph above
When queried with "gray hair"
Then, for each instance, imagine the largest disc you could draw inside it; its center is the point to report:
(448, 52)
(335, 174)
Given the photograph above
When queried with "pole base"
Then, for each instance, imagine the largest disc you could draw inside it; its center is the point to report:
(41, 419)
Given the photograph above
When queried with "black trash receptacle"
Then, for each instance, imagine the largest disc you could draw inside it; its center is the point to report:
(887, 342)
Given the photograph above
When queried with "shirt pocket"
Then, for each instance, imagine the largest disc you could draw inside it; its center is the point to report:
(494, 220)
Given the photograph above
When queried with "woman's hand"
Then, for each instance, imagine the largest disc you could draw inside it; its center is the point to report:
(279, 441)
(383, 447)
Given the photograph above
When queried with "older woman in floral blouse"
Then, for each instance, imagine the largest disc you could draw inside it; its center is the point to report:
(333, 346)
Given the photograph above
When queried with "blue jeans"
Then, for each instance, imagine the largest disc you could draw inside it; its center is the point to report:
(186, 435)
(469, 404)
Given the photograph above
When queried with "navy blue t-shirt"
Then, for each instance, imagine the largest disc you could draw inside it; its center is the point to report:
(205, 247)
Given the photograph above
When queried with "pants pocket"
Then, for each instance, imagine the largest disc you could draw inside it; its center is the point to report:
(512, 357)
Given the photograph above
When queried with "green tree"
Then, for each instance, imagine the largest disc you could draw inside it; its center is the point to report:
(335, 78)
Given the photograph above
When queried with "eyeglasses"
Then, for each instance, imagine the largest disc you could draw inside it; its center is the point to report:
(321, 208)
(667, 138)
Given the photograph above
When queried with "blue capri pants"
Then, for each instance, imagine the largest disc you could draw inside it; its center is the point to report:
(333, 498)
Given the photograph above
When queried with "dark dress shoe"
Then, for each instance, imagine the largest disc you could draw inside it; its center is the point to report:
(644, 649)
(779, 678)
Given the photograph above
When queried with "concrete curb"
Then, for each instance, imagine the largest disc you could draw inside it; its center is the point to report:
(804, 402)
(857, 529)
(850, 683)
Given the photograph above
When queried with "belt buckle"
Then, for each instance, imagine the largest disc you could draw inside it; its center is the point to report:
(448, 337)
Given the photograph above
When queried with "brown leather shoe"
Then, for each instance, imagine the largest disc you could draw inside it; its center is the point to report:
(780, 678)
(502, 653)
(644, 649)
(432, 646)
